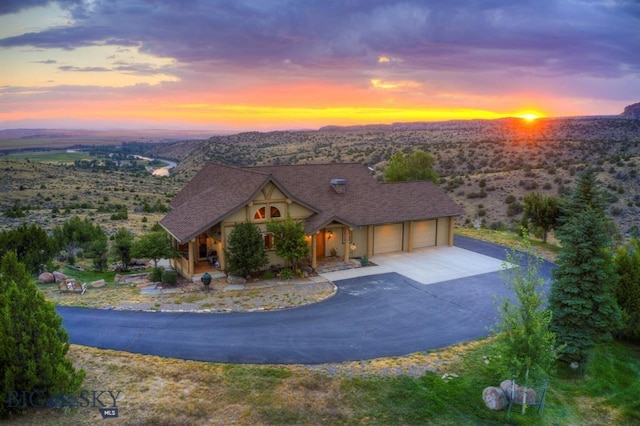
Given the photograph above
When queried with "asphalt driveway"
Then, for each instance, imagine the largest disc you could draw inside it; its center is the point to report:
(373, 316)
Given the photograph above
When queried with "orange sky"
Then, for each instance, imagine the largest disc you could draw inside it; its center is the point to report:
(295, 65)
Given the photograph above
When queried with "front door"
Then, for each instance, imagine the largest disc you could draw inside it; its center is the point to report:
(320, 248)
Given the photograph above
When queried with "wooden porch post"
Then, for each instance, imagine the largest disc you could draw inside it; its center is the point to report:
(314, 252)
(347, 244)
(192, 258)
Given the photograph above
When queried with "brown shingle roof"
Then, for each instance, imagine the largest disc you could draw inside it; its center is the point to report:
(216, 191)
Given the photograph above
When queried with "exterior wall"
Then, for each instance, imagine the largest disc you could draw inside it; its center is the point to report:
(443, 231)
(360, 240)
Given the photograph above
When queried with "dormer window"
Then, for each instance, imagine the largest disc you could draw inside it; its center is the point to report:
(261, 213)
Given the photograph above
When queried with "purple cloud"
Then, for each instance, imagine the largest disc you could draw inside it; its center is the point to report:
(542, 38)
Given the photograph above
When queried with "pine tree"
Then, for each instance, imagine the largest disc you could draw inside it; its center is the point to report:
(582, 294)
(33, 343)
(244, 251)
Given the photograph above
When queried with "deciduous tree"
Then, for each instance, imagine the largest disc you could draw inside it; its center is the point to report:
(121, 248)
(415, 166)
(289, 240)
(541, 211)
(153, 245)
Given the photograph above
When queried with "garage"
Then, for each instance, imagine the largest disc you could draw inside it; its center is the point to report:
(387, 238)
(423, 233)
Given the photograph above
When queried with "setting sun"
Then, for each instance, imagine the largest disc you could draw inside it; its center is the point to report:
(529, 116)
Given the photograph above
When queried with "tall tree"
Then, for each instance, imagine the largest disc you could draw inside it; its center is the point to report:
(582, 294)
(33, 343)
(627, 264)
(526, 342)
(541, 211)
(244, 251)
(290, 240)
(415, 166)
(122, 245)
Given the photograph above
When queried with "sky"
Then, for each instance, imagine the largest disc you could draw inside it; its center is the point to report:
(295, 64)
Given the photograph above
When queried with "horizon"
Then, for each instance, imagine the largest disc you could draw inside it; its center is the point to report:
(287, 65)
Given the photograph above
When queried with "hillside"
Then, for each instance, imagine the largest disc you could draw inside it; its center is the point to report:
(481, 162)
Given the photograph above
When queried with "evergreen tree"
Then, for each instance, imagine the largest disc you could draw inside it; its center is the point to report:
(290, 240)
(33, 343)
(244, 251)
(32, 245)
(627, 264)
(582, 295)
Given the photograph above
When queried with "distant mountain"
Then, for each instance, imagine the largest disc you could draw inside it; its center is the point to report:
(632, 111)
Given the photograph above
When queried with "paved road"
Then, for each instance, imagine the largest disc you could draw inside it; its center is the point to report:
(369, 317)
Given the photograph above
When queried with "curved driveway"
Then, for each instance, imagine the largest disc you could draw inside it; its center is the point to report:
(369, 317)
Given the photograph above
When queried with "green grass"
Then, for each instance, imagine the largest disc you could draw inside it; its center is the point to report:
(61, 156)
(89, 276)
(608, 394)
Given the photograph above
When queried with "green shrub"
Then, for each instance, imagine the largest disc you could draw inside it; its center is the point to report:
(364, 261)
(156, 275)
(169, 277)
(286, 274)
(268, 275)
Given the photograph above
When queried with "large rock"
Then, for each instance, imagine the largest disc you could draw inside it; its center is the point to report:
(235, 280)
(59, 276)
(494, 398)
(515, 393)
(98, 284)
(46, 278)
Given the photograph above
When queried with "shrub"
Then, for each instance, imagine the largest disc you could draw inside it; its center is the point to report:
(364, 261)
(169, 277)
(156, 275)
(286, 274)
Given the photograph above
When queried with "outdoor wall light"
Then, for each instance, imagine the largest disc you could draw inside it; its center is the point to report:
(329, 235)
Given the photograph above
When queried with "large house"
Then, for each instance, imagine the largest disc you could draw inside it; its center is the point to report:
(346, 212)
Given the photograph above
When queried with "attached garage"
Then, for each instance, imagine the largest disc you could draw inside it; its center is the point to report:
(423, 233)
(387, 238)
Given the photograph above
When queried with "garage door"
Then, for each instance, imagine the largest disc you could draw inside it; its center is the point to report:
(387, 238)
(424, 233)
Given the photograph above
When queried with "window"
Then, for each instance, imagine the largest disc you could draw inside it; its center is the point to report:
(261, 213)
(269, 241)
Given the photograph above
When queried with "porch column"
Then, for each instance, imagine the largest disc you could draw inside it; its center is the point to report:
(314, 252)
(347, 244)
(192, 258)
(451, 221)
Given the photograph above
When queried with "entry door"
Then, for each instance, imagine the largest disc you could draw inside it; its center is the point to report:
(320, 244)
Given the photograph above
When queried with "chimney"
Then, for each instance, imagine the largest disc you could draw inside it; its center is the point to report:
(339, 185)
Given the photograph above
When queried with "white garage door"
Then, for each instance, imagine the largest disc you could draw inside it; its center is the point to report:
(387, 238)
(424, 233)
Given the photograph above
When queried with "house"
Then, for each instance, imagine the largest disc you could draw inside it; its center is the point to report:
(346, 211)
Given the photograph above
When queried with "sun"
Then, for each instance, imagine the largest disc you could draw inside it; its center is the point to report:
(528, 116)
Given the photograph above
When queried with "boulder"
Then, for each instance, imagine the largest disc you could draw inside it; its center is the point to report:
(515, 393)
(97, 284)
(494, 398)
(59, 276)
(236, 280)
(46, 278)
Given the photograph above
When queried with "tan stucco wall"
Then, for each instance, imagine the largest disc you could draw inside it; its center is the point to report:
(443, 231)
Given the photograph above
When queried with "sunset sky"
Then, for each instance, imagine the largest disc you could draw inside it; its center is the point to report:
(290, 64)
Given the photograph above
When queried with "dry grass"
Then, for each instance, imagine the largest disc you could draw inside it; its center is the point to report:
(157, 390)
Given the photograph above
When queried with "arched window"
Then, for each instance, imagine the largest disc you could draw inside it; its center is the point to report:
(275, 212)
(261, 213)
